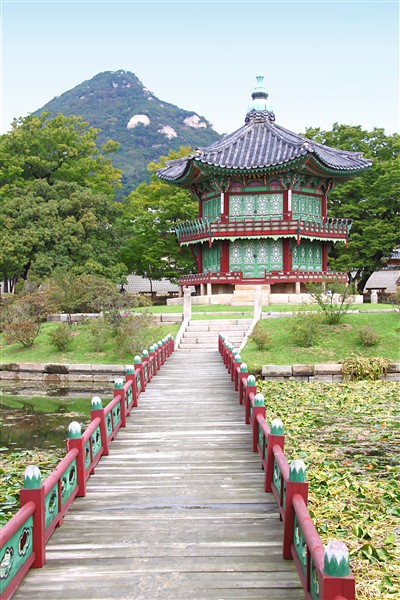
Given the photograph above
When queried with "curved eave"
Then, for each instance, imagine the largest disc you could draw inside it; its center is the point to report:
(315, 166)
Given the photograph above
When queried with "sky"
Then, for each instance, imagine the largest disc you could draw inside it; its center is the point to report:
(323, 62)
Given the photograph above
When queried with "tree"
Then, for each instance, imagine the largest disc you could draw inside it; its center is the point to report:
(57, 199)
(149, 215)
(61, 225)
(372, 199)
(56, 149)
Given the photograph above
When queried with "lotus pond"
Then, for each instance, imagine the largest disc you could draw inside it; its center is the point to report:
(348, 435)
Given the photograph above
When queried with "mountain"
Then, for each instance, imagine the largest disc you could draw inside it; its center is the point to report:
(117, 103)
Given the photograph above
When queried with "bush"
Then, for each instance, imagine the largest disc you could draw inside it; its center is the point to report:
(132, 335)
(23, 332)
(100, 332)
(368, 336)
(305, 328)
(21, 317)
(357, 368)
(260, 337)
(61, 337)
(333, 297)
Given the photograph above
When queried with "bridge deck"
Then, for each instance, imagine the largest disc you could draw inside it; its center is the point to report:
(177, 509)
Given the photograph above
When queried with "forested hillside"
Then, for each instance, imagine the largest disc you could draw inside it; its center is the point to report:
(117, 103)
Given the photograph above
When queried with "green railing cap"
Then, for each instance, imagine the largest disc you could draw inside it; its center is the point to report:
(145, 353)
(74, 430)
(297, 471)
(159, 343)
(96, 403)
(118, 383)
(243, 368)
(32, 478)
(237, 358)
(336, 559)
(129, 369)
(251, 381)
(137, 360)
(277, 427)
(259, 400)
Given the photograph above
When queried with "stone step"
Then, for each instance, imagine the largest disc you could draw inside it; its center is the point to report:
(213, 335)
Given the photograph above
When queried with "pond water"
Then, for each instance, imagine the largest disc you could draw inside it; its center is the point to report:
(25, 429)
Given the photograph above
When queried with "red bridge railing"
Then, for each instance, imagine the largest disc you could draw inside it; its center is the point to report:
(324, 572)
(45, 504)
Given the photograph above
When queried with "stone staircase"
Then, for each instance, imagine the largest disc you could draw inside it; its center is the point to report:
(203, 335)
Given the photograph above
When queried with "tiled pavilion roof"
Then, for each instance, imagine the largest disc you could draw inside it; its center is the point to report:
(261, 144)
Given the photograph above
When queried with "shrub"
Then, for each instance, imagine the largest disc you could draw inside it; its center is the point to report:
(357, 368)
(100, 332)
(305, 327)
(368, 336)
(132, 335)
(61, 337)
(333, 297)
(260, 337)
(21, 318)
(23, 332)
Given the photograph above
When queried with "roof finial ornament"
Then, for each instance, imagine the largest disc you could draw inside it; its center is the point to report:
(259, 109)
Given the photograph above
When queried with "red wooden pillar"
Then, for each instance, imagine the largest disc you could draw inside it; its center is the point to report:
(324, 206)
(224, 259)
(119, 391)
(275, 438)
(324, 257)
(287, 255)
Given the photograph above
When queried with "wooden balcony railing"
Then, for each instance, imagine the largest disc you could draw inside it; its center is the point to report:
(236, 277)
(285, 226)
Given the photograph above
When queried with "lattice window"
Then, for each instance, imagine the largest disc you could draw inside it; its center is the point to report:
(307, 257)
(307, 208)
(276, 204)
(235, 206)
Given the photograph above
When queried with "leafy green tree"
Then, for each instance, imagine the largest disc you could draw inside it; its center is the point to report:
(372, 199)
(60, 225)
(56, 149)
(150, 214)
(57, 199)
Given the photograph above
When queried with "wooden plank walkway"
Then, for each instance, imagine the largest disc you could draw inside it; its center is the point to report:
(177, 510)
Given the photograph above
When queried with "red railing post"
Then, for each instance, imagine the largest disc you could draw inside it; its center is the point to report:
(276, 438)
(146, 362)
(258, 408)
(75, 440)
(250, 392)
(119, 391)
(295, 485)
(338, 582)
(153, 356)
(130, 376)
(236, 366)
(243, 374)
(139, 365)
(33, 491)
(97, 411)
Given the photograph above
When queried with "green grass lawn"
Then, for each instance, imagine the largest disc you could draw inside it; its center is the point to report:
(223, 308)
(82, 349)
(335, 342)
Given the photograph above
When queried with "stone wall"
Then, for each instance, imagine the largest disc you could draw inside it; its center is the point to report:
(320, 372)
(60, 373)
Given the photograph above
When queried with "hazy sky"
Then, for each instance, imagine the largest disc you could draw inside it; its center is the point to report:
(323, 61)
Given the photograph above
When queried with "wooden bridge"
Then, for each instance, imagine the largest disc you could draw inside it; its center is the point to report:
(177, 508)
